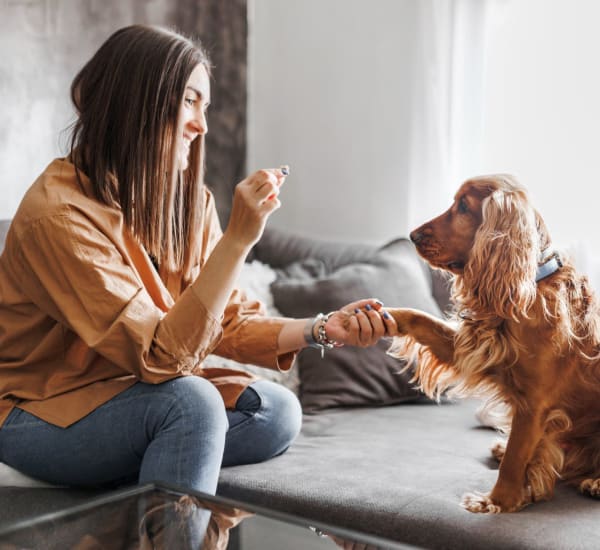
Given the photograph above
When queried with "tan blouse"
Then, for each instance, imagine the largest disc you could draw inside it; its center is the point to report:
(84, 314)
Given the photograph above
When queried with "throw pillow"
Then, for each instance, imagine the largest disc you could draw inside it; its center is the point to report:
(352, 376)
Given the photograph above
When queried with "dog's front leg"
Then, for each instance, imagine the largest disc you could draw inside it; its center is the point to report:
(510, 492)
(427, 330)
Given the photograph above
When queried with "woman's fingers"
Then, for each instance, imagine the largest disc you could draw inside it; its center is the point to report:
(255, 198)
(263, 178)
(375, 318)
(360, 304)
(260, 190)
(391, 327)
(364, 327)
(368, 322)
(362, 323)
(268, 181)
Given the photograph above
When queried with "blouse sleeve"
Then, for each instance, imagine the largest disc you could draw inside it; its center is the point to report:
(248, 335)
(79, 277)
(251, 337)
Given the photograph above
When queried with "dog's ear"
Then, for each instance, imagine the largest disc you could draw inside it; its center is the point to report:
(500, 273)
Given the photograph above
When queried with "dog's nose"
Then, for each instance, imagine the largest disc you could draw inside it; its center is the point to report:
(416, 236)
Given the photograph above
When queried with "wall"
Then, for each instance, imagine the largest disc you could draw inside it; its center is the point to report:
(43, 43)
(330, 94)
(543, 114)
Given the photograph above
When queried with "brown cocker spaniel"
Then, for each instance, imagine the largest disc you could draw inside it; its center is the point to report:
(525, 334)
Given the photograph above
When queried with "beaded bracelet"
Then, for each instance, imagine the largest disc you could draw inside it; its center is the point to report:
(322, 341)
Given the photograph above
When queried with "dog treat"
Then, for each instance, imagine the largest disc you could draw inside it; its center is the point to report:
(285, 170)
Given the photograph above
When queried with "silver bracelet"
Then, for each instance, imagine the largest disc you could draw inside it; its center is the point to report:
(309, 331)
(323, 341)
(322, 337)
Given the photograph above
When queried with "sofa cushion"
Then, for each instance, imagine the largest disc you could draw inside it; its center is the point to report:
(354, 376)
(400, 472)
(9, 477)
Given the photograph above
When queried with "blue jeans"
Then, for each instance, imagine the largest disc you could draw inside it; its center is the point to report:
(177, 432)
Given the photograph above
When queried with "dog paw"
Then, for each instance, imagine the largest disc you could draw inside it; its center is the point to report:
(480, 503)
(590, 487)
(498, 450)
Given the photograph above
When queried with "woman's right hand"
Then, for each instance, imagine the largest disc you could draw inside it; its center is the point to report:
(254, 199)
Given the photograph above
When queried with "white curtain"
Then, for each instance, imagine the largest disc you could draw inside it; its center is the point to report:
(447, 110)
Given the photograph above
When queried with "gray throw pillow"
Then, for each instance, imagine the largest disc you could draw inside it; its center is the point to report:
(353, 376)
(280, 249)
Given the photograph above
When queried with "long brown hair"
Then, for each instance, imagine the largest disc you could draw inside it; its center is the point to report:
(127, 99)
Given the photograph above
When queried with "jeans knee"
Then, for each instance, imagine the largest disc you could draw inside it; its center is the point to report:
(186, 447)
(199, 402)
(283, 411)
(268, 430)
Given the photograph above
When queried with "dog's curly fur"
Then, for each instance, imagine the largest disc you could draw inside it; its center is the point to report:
(532, 347)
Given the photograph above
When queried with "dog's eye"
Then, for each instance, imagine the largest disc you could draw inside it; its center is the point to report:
(462, 206)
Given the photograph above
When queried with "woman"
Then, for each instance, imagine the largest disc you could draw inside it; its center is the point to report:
(116, 281)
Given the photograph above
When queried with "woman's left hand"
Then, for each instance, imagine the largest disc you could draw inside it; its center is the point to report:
(360, 323)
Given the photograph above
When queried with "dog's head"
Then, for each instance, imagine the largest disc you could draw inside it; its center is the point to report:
(492, 239)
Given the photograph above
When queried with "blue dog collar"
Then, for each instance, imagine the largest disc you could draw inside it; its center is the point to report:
(548, 267)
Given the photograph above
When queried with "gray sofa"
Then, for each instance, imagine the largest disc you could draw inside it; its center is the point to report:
(373, 454)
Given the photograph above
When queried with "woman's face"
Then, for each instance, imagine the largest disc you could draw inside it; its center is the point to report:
(192, 113)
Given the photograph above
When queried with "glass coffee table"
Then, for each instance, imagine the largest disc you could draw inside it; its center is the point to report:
(156, 516)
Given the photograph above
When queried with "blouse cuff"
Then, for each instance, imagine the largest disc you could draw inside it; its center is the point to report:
(286, 361)
(189, 328)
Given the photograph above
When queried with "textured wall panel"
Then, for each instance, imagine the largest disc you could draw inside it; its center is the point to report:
(43, 43)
